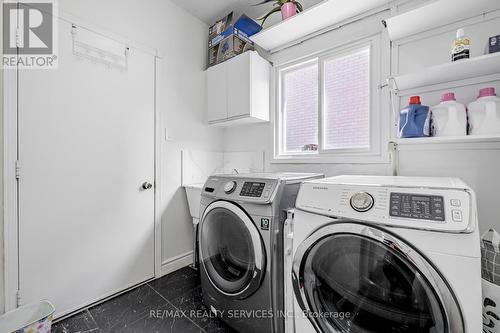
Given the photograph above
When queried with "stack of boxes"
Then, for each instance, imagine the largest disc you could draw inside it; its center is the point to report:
(228, 39)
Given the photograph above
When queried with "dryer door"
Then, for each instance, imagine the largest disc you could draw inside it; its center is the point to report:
(231, 250)
(350, 277)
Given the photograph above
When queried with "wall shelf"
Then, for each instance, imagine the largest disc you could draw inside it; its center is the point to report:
(424, 18)
(312, 20)
(486, 65)
(449, 142)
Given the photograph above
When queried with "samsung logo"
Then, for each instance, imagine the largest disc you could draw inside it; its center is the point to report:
(320, 188)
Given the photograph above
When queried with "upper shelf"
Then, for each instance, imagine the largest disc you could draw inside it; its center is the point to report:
(454, 71)
(314, 19)
(436, 14)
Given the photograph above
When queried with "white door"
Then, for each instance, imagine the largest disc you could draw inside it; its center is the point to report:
(86, 145)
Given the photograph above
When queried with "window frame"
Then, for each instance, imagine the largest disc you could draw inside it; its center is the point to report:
(377, 125)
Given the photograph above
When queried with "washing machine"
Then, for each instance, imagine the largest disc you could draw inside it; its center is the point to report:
(383, 255)
(240, 244)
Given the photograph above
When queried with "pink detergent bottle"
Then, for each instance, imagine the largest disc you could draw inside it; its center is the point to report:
(484, 113)
(449, 117)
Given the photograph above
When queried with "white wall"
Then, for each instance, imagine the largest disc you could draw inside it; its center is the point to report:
(477, 165)
(182, 39)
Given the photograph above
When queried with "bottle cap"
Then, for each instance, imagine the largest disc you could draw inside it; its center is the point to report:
(449, 96)
(460, 33)
(414, 100)
(485, 92)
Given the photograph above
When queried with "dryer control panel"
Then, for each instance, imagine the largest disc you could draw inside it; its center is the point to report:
(440, 209)
(252, 189)
(242, 189)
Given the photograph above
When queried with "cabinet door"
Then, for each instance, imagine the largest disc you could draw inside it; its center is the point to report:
(239, 89)
(217, 93)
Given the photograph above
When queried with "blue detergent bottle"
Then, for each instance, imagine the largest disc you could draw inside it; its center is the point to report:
(414, 120)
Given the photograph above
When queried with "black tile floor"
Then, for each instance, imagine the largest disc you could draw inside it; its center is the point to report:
(172, 303)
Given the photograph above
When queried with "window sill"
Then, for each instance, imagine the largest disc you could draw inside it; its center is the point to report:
(332, 159)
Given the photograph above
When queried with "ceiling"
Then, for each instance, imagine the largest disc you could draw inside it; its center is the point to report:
(210, 11)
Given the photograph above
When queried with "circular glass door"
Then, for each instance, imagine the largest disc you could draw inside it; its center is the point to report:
(357, 279)
(231, 250)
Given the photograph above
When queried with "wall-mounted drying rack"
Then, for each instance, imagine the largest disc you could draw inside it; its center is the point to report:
(99, 49)
(468, 71)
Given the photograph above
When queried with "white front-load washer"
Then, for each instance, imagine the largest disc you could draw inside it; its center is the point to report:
(383, 255)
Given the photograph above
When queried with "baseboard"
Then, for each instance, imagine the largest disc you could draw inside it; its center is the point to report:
(175, 263)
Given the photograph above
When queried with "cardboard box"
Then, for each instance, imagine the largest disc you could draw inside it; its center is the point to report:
(220, 26)
(233, 40)
(494, 44)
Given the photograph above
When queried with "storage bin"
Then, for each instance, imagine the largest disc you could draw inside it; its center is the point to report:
(30, 318)
(490, 264)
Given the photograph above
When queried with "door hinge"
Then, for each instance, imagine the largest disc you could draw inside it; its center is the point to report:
(18, 298)
(18, 169)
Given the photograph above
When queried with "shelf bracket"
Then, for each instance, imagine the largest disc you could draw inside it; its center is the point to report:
(394, 157)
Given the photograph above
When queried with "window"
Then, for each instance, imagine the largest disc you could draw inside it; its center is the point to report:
(326, 105)
(347, 101)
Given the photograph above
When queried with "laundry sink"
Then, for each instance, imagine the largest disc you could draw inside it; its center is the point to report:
(193, 193)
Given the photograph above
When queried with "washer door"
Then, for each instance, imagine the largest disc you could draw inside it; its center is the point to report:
(354, 278)
(231, 250)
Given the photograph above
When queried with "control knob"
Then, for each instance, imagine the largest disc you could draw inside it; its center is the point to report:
(362, 201)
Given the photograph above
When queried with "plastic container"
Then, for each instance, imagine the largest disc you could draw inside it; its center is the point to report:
(414, 120)
(30, 318)
(461, 46)
(484, 113)
(449, 117)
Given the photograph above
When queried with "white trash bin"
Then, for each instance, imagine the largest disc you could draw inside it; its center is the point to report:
(30, 318)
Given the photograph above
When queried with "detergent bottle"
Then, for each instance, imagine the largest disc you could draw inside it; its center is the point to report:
(449, 117)
(484, 113)
(414, 120)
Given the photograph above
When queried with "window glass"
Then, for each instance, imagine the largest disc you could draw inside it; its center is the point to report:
(300, 109)
(347, 101)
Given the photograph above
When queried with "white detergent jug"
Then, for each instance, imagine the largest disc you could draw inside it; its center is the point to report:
(484, 113)
(449, 117)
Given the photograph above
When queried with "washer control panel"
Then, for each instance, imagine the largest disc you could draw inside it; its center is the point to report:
(441, 209)
(417, 206)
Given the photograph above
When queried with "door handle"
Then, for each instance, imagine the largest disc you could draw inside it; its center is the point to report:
(147, 186)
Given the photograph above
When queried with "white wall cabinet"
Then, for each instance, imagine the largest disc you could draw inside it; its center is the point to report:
(238, 91)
